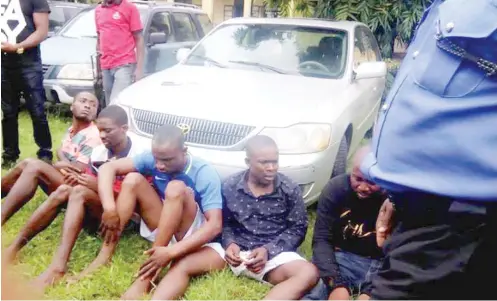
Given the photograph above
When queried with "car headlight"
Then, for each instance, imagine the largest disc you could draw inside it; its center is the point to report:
(76, 71)
(300, 138)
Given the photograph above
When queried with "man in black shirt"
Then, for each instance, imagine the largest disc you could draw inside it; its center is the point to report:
(265, 222)
(344, 242)
(25, 27)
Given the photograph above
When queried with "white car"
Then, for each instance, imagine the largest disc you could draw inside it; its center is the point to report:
(314, 86)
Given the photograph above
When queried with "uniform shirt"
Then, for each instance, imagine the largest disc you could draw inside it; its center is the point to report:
(102, 154)
(276, 221)
(18, 26)
(78, 147)
(436, 132)
(198, 175)
(115, 27)
(344, 222)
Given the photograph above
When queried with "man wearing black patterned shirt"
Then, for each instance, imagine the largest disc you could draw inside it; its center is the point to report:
(265, 222)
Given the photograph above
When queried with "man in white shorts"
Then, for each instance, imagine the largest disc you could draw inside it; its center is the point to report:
(265, 221)
(181, 213)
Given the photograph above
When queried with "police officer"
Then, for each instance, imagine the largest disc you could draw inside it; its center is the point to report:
(25, 26)
(435, 151)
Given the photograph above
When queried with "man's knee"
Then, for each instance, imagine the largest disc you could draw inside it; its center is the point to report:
(34, 166)
(176, 190)
(309, 273)
(132, 180)
(60, 195)
(78, 193)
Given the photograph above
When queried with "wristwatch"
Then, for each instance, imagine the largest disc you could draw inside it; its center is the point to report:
(20, 50)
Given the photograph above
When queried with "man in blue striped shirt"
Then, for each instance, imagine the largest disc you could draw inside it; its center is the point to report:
(435, 151)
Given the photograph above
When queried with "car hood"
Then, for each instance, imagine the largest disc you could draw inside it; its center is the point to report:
(60, 50)
(237, 96)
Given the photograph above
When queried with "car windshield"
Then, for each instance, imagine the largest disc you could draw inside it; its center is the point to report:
(287, 49)
(83, 25)
(59, 15)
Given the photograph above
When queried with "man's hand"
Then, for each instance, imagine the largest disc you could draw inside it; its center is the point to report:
(339, 293)
(137, 75)
(88, 181)
(159, 258)
(109, 228)
(7, 47)
(233, 255)
(67, 167)
(384, 222)
(70, 178)
(257, 260)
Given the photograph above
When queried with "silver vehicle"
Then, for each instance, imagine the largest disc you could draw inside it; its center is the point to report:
(314, 86)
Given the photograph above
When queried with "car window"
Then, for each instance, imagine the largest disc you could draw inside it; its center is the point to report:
(205, 22)
(289, 49)
(56, 17)
(161, 23)
(184, 29)
(371, 46)
(360, 52)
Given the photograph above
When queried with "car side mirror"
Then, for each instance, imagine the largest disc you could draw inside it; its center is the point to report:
(157, 38)
(182, 54)
(370, 70)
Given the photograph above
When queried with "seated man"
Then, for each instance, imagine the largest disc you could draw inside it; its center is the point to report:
(344, 242)
(112, 123)
(20, 184)
(265, 217)
(181, 213)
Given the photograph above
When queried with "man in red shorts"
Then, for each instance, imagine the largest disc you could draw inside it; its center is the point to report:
(83, 203)
(119, 31)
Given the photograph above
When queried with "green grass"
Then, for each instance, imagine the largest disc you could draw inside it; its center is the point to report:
(113, 280)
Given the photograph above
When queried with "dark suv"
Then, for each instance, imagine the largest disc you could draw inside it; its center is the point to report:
(69, 56)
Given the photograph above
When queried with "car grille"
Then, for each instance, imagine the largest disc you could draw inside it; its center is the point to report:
(203, 132)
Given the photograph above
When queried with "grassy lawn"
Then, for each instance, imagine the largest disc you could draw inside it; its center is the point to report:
(111, 281)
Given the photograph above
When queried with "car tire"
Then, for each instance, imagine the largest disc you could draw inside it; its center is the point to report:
(340, 166)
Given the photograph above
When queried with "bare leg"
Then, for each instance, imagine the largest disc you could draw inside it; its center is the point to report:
(41, 219)
(174, 284)
(80, 200)
(135, 190)
(11, 177)
(363, 297)
(292, 280)
(177, 216)
(25, 185)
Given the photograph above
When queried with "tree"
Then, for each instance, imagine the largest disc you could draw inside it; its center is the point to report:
(388, 19)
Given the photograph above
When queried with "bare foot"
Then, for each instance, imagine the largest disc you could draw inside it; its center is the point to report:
(137, 290)
(95, 265)
(50, 277)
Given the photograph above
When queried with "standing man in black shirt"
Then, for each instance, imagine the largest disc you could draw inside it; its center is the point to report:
(24, 27)
(344, 242)
(265, 222)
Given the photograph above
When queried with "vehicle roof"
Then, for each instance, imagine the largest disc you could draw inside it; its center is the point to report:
(324, 23)
(143, 4)
(71, 4)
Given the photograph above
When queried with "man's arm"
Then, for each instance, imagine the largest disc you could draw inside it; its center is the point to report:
(294, 235)
(328, 213)
(140, 53)
(228, 236)
(40, 19)
(106, 176)
(136, 28)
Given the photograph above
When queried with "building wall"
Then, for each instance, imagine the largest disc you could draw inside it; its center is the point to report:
(223, 9)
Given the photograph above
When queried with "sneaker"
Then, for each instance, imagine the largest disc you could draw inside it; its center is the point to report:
(8, 162)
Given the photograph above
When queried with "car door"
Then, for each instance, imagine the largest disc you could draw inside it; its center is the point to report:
(159, 56)
(377, 85)
(363, 90)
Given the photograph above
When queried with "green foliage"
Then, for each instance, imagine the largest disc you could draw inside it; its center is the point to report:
(388, 19)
